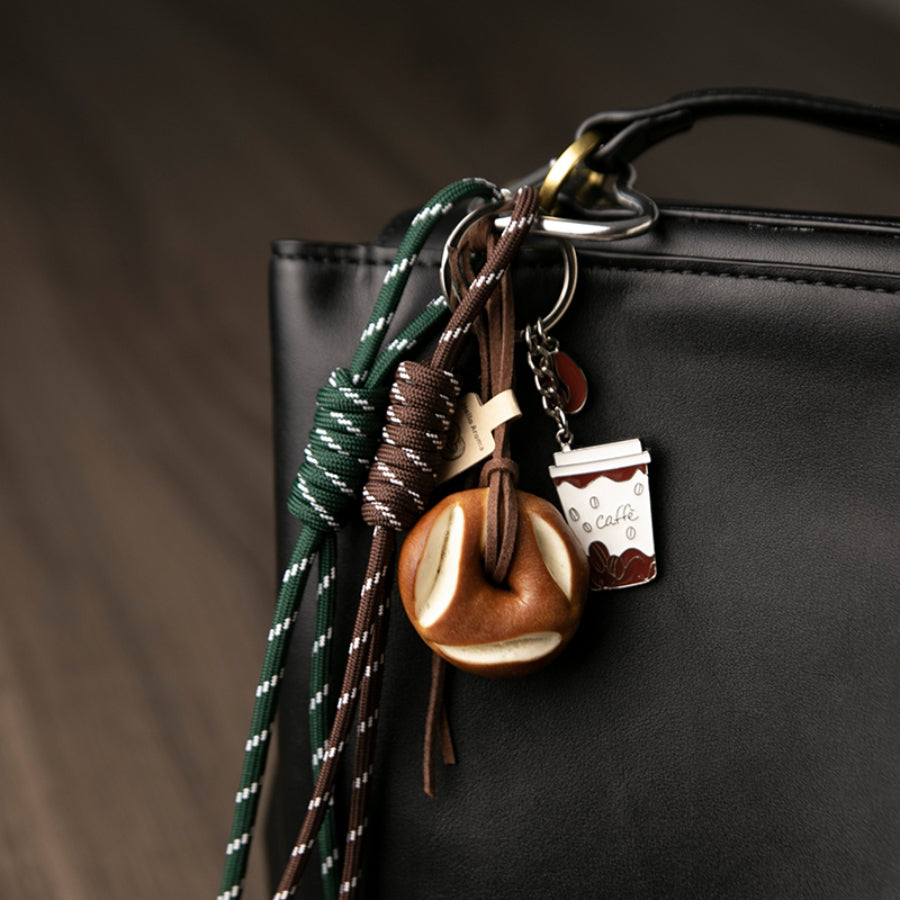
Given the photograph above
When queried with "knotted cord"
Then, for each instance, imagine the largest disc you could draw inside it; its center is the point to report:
(400, 482)
(324, 495)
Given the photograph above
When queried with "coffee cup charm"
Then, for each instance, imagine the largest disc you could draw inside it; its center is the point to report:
(605, 498)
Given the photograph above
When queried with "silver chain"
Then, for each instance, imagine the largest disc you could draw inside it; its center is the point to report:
(541, 349)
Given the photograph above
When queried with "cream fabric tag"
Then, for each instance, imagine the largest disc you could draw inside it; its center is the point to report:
(470, 439)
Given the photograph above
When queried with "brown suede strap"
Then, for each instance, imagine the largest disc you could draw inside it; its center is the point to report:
(500, 474)
(495, 331)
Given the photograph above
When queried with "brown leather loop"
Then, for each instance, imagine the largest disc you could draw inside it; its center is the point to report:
(499, 464)
(495, 330)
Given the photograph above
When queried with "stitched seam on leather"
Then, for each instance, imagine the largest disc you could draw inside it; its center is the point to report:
(343, 260)
(768, 219)
(700, 273)
(779, 279)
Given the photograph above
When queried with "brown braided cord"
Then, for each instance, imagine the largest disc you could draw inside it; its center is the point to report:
(450, 343)
(406, 465)
(374, 598)
(370, 691)
(398, 486)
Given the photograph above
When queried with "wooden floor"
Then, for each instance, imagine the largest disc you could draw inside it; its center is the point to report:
(150, 149)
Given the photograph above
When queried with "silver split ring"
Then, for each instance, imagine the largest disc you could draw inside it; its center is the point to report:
(570, 264)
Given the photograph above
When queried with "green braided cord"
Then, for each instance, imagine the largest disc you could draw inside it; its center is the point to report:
(427, 325)
(256, 748)
(398, 274)
(323, 444)
(344, 437)
(319, 718)
(375, 373)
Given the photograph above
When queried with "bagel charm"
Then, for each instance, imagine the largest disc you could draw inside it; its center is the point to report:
(490, 629)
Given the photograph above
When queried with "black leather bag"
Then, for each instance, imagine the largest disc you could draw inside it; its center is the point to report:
(729, 730)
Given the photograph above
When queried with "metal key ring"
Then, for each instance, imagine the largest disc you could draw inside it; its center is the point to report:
(566, 293)
(456, 237)
(570, 265)
(633, 214)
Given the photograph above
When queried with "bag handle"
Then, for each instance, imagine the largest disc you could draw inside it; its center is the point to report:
(628, 133)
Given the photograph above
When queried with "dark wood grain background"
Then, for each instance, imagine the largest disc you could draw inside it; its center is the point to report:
(149, 151)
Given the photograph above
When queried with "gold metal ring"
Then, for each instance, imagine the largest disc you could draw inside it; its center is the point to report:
(575, 154)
